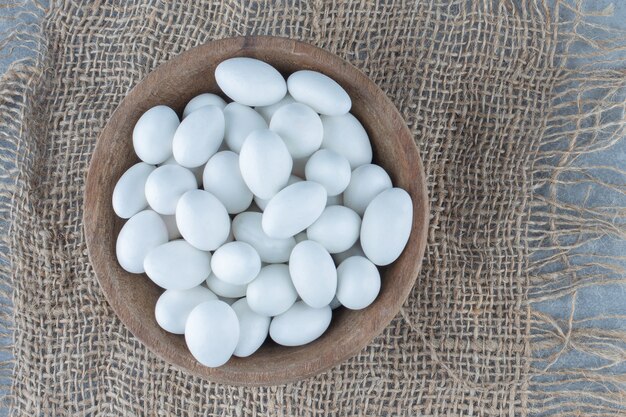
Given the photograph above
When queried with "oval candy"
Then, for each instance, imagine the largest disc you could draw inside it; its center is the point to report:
(247, 227)
(386, 226)
(320, 92)
(240, 122)
(222, 177)
(153, 134)
(346, 136)
(265, 163)
(313, 273)
(165, 185)
(203, 100)
(129, 196)
(177, 265)
(212, 332)
(197, 171)
(337, 229)
(272, 292)
(358, 283)
(236, 263)
(198, 137)
(253, 329)
(367, 182)
(299, 325)
(202, 220)
(173, 307)
(300, 127)
(294, 209)
(250, 81)
(330, 169)
(139, 235)
(225, 289)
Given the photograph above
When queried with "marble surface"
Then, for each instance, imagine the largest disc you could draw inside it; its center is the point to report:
(578, 264)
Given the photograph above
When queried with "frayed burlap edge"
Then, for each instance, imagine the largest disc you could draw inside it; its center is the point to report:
(578, 357)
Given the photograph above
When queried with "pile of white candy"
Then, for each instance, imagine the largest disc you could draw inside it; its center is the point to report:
(295, 171)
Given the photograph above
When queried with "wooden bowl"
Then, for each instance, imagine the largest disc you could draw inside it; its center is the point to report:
(133, 297)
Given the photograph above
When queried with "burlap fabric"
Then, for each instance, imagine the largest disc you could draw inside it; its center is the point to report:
(473, 81)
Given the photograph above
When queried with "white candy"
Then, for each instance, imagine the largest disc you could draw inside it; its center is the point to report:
(212, 332)
(170, 224)
(202, 220)
(367, 182)
(346, 136)
(268, 111)
(358, 283)
(253, 329)
(330, 169)
(199, 136)
(313, 273)
(177, 265)
(173, 307)
(386, 226)
(250, 81)
(272, 292)
(153, 134)
(275, 259)
(294, 209)
(129, 196)
(265, 163)
(262, 202)
(236, 263)
(319, 91)
(240, 122)
(337, 229)
(225, 289)
(197, 171)
(247, 228)
(222, 177)
(165, 185)
(355, 250)
(203, 100)
(139, 235)
(299, 127)
(300, 324)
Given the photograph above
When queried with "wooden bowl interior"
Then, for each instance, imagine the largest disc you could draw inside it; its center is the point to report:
(133, 296)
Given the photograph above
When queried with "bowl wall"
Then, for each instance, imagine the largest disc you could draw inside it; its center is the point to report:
(133, 297)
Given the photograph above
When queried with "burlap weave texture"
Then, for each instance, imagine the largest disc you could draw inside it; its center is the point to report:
(473, 82)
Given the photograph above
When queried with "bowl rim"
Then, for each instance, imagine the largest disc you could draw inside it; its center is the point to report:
(239, 46)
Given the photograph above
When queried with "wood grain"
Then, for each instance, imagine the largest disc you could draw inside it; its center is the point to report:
(133, 296)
